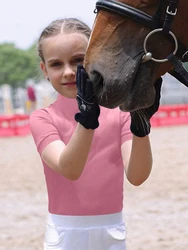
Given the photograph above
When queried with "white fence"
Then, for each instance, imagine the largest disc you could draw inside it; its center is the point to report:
(173, 92)
(16, 101)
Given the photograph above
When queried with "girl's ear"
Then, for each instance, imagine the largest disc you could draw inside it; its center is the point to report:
(43, 68)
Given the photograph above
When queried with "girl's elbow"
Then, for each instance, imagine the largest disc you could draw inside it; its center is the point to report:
(137, 181)
(73, 177)
(70, 174)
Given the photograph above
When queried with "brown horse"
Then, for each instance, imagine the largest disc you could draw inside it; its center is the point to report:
(124, 59)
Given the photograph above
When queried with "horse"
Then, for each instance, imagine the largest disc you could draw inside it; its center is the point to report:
(132, 44)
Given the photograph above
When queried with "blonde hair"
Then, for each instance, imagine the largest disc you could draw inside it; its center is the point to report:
(69, 25)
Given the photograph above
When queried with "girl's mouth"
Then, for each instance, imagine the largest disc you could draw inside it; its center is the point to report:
(69, 84)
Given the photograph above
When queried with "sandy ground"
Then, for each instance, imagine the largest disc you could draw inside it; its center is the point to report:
(156, 213)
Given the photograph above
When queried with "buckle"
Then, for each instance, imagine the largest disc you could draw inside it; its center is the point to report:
(171, 12)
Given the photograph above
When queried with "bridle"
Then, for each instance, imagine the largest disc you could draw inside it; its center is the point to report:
(156, 25)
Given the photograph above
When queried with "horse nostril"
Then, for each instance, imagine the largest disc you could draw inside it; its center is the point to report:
(97, 80)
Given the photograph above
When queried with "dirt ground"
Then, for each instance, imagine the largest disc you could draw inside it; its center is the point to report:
(156, 213)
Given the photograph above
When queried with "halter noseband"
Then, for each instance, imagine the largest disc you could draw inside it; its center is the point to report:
(156, 25)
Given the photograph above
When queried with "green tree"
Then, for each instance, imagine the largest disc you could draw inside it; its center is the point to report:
(17, 65)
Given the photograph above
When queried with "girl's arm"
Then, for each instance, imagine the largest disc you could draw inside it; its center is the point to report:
(69, 160)
(137, 159)
(137, 155)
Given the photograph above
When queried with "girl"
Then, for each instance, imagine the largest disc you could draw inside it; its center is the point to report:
(84, 148)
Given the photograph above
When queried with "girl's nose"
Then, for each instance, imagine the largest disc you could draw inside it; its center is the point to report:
(69, 72)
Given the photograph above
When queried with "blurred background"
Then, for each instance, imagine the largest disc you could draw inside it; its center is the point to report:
(156, 213)
(22, 86)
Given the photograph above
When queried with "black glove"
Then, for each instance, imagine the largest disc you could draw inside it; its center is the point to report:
(140, 119)
(89, 109)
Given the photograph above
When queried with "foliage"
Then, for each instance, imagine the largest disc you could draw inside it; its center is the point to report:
(17, 65)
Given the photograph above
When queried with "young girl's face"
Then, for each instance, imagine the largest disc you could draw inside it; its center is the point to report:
(62, 54)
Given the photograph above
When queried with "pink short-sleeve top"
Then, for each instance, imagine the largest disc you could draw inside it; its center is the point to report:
(99, 190)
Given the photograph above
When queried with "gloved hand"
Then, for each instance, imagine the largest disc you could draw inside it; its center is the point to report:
(89, 109)
(140, 119)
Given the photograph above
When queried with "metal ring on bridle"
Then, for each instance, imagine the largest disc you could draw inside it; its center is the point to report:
(155, 31)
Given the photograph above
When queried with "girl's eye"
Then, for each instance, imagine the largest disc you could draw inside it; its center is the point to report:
(56, 64)
(78, 60)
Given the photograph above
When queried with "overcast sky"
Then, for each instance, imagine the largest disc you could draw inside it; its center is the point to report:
(21, 21)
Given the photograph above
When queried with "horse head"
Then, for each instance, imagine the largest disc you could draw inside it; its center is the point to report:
(114, 58)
